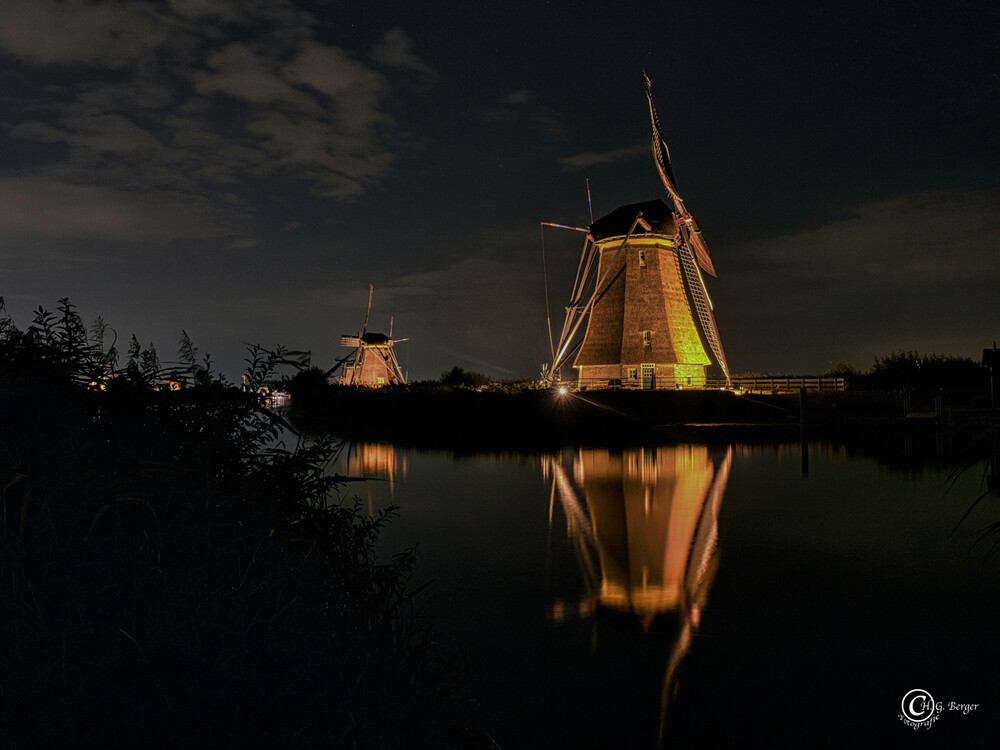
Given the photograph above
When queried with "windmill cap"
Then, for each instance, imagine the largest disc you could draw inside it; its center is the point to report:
(618, 222)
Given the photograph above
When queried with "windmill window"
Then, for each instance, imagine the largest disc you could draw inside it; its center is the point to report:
(642, 259)
(632, 373)
(647, 338)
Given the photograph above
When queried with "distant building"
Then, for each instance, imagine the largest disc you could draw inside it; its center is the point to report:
(374, 362)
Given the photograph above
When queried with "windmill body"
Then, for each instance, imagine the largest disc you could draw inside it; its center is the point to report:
(374, 363)
(645, 330)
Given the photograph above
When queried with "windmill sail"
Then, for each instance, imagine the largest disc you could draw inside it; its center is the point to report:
(661, 155)
(690, 236)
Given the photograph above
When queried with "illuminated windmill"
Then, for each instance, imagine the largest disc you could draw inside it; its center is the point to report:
(650, 322)
(373, 362)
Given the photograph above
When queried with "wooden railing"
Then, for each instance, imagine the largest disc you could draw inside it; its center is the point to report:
(788, 384)
(777, 384)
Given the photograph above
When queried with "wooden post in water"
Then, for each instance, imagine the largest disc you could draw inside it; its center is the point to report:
(803, 445)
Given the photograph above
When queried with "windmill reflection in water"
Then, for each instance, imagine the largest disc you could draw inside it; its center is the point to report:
(645, 534)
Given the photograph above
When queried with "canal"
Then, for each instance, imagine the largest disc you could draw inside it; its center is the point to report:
(702, 596)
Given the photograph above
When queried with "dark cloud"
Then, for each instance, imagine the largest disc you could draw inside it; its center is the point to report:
(912, 272)
(56, 210)
(590, 159)
(521, 96)
(112, 35)
(524, 107)
(907, 240)
(275, 103)
(396, 50)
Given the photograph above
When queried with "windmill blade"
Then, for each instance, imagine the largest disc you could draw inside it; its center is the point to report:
(661, 155)
(575, 310)
(371, 293)
(661, 152)
(576, 315)
(397, 370)
(359, 362)
(697, 241)
(339, 363)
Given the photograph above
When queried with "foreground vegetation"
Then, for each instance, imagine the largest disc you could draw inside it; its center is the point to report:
(174, 575)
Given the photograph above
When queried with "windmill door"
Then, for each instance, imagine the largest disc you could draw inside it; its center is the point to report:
(648, 380)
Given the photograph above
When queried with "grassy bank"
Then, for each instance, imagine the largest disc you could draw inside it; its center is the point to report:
(470, 419)
(176, 576)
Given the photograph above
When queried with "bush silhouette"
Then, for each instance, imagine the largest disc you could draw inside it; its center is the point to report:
(174, 575)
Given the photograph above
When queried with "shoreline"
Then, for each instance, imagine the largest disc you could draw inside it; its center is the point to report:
(466, 420)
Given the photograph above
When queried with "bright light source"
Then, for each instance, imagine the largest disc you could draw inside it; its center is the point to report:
(562, 391)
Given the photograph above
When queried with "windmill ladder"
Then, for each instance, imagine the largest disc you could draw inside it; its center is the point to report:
(700, 305)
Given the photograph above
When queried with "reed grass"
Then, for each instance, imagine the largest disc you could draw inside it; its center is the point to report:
(173, 575)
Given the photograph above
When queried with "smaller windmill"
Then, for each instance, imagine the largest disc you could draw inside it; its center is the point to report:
(373, 362)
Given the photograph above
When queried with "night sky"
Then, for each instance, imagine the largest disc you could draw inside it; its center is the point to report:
(243, 169)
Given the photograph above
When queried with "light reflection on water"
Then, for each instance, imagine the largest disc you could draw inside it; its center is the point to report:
(681, 595)
(651, 518)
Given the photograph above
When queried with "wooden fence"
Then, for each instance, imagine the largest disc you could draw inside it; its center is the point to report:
(768, 384)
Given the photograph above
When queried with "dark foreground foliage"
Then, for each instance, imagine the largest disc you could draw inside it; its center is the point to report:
(173, 577)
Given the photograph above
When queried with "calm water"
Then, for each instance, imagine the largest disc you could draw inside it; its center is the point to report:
(684, 596)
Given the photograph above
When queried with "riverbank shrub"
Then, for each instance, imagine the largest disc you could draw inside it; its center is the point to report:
(959, 380)
(175, 574)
